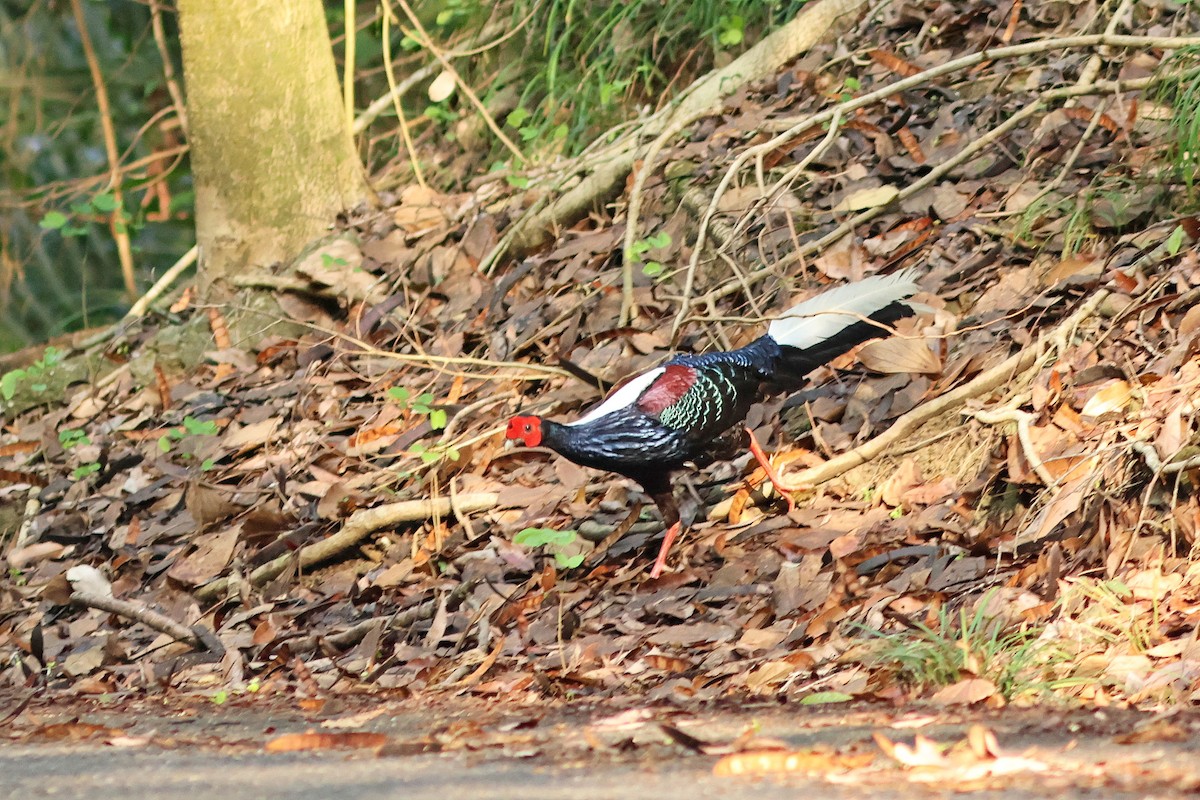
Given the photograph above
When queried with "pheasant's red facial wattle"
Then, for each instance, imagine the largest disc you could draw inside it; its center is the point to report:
(526, 430)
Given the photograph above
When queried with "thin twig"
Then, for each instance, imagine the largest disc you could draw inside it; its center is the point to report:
(139, 612)
(360, 525)
(1022, 419)
(116, 223)
(427, 42)
(168, 66)
(934, 175)
(411, 149)
(689, 283)
(162, 284)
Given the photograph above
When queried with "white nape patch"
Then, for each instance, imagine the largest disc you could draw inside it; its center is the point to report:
(820, 318)
(627, 395)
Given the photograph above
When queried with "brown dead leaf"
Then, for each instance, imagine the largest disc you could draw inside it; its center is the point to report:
(906, 477)
(893, 62)
(420, 210)
(1160, 730)
(75, 731)
(867, 198)
(1113, 397)
(965, 693)
(900, 355)
(314, 740)
(209, 559)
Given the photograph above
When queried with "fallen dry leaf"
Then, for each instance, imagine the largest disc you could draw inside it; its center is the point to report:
(315, 740)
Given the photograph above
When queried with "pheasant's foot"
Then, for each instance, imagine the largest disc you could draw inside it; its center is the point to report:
(660, 563)
(772, 475)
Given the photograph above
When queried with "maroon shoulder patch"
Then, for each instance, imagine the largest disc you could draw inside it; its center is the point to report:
(666, 391)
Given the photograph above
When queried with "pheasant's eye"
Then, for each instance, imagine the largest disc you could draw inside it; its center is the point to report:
(528, 428)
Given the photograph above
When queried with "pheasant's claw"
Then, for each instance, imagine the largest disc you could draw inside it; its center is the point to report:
(660, 563)
(772, 475)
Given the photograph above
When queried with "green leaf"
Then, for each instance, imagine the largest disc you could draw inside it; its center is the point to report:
(104, 202)
(437, 419)
(207, 464)
(69, 437)
(853, 84)
(652, 269)
(1175, 240)
(10, 381)
(660, 239)
(516, 117)
(197, 427)
(164, 443)
(537, 537)
(733, 30)
(823, 698)
(399, 394)
(53, 220)
(568, 562)
(84, 470)
(517, 181)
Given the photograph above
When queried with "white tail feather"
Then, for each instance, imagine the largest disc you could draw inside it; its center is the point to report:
(829, 313)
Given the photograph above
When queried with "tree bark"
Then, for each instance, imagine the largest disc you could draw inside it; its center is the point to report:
(272, 156)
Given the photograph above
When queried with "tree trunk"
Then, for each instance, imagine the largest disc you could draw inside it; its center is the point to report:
(271, 151)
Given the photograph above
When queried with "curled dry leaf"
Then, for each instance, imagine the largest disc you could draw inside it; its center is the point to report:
(1113, 398)
(313, 740)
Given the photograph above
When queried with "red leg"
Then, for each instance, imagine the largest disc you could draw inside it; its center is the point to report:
(772, 475)
(660, 563)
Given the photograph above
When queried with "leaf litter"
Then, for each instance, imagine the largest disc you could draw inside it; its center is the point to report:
(1063, 503)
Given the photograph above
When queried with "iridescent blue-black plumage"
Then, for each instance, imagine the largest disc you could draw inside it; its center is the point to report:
(670, 415)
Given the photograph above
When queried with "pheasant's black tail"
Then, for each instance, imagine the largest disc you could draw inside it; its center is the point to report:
(830, 324)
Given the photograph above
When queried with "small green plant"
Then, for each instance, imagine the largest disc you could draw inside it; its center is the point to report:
(70, 437)
(651, 269)
(421, 404)
(220, 697)
(1014, 659)
(98, 208)
(1180, 89)
(434, 454)
(83, 470)
(191, 427)
(563, 545)
(35, 374)
(731, 30)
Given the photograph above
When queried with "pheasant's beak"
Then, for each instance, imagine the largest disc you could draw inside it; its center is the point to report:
(509, 444)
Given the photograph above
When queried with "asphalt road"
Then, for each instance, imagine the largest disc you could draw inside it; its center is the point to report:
(569, 754)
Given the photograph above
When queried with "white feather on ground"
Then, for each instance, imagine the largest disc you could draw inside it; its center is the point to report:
(818, 319)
